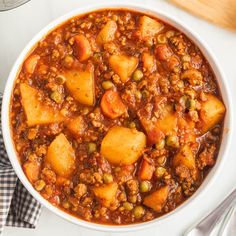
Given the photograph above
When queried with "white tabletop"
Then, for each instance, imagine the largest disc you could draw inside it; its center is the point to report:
(18, 26)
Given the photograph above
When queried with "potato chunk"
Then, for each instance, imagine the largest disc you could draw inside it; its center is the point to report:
(156, 129)
(167, 123)
(81, 85)
(157, 199)
(123, 65)
(36, 112)
(185, 157)
(31, 169)
(149, 27)
(212, 112)
(82, 48)
(187, 128)
(123, 146)
(149, 62)
(107, 33)
(61, 156)
(106, 193)
(77, 126)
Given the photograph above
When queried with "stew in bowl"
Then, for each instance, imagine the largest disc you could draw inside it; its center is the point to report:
(116, 117)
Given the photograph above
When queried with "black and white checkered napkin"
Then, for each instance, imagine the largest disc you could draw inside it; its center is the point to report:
(17, 207)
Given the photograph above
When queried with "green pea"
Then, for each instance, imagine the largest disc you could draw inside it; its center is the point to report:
(191, 93)
(145, 93)
(161, 38)
(161, 160)
(137, 75)
(144, 186)
(183, 101)
(66, 204)
(138, 94)
(128, 206)
(180, 84)
(71, 40)
(133, 198)
(138, 211)
(56, 96)
(39, 185)
(85, 111)
(186, 58)
(160, 145)
(176, 69)
(121, 208)
(192, 104)
(92, 147)
(60, 79)
(159, 172)
(132, 125)
(68, 61)
(107, 178)
(170, 33)
(172, 141)
(97, 56)
(107, 84)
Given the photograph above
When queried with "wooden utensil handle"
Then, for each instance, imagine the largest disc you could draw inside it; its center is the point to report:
(220, 12)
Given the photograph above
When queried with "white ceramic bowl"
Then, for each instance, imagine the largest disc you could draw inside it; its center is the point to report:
(221, 81)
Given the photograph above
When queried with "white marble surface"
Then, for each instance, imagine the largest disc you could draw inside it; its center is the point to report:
(18, 26)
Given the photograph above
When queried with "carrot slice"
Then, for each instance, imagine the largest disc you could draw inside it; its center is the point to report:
(163, 52)
(112, 105)
(154, 134)
(146, 170)
(82, 48)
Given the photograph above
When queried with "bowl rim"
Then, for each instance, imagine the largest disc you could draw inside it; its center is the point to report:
(166, 17)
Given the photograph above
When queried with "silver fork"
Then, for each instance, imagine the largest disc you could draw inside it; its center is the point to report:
(224, 227)
(207, 224)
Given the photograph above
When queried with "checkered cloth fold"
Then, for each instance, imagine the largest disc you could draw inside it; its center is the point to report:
(17, 207)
